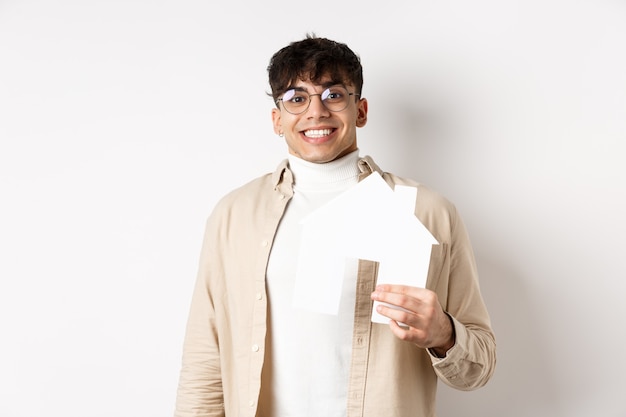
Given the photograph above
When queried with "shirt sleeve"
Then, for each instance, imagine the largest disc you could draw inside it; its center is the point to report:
(470, 363)
(200, 391)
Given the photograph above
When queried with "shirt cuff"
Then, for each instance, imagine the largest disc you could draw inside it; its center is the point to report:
(455, 351)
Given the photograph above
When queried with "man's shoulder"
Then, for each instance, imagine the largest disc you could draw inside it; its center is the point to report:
(254, 191)
(248, 191)
(427, 197)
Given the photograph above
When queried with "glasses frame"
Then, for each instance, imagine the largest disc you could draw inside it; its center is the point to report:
(317, 94)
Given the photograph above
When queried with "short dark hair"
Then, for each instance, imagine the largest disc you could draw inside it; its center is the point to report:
(311, 59)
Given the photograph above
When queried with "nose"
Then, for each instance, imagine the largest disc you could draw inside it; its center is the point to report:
(317, 108)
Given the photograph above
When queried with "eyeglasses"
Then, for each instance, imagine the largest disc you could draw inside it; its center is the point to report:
(334, 98)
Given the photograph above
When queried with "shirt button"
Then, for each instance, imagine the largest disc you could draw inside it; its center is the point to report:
(259, 296)
(264, 243)
(251, 403)
(282, 196)
(255, 348)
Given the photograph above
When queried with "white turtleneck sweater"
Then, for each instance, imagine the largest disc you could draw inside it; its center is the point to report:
(308, 363)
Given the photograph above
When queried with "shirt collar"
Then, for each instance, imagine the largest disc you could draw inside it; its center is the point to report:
(282, 178)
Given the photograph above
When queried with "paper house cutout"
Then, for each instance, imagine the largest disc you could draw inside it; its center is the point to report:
(369, 221)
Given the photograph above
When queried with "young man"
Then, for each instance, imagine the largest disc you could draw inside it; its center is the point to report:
(249, 351)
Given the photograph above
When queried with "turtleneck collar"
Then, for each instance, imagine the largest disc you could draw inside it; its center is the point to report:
(312, 176)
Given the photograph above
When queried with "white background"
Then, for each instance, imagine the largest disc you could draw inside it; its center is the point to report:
(123, 122)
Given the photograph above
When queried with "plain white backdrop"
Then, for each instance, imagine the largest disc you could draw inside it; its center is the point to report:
(123, 122)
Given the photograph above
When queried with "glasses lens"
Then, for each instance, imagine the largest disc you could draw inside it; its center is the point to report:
(295, 101)
(335, 98)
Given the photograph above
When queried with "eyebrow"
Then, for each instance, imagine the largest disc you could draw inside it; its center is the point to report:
(323, 85)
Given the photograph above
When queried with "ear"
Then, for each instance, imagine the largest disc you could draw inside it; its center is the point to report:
(361, 113)
(276, 121)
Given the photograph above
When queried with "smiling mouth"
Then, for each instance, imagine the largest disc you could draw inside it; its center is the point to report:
(318, 133)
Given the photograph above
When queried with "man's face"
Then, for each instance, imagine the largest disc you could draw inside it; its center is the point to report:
(318, 134)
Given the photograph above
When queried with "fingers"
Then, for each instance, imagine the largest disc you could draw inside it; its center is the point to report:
(417, 300)
(409, 334)
(417, 308)
(407, 326)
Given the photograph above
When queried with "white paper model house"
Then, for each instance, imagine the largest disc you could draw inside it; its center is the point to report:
(369, 221)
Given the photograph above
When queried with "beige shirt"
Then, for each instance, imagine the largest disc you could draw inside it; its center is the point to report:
(224, 346)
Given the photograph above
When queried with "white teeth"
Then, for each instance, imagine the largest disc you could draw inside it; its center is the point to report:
(317, 133)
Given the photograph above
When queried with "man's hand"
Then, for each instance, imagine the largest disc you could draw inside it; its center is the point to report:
(428, 325)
